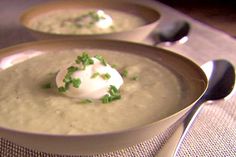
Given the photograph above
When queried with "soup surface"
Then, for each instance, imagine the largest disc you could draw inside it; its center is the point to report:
(149, 93)
(85, 21)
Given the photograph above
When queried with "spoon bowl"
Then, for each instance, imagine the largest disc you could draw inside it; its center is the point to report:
(221, 77)
(173, 33)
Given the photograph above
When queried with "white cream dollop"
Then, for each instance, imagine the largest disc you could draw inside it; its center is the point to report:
(105, 20)
(91, 88)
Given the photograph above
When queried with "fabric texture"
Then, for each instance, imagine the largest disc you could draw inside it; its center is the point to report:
(145, 149)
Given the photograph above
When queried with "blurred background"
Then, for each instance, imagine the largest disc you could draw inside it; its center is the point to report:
(220, 14)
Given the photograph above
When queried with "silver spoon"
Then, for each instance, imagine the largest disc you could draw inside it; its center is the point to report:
(221, 76)
(176, 32)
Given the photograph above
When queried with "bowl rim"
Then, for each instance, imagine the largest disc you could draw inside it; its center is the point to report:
(23, 46)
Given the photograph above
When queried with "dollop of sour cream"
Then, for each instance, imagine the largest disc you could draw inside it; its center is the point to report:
(93, 84)
(105, 21)
(98, 18)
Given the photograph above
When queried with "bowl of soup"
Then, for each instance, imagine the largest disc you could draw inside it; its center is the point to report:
(86, 97)
(124, 20)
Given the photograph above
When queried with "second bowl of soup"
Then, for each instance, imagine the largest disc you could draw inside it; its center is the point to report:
(91, 19)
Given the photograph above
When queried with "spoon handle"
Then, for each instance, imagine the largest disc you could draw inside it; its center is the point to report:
(173, 144)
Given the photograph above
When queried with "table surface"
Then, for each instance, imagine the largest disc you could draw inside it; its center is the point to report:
(214, 131)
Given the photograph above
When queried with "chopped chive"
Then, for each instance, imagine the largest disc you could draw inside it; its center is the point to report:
(106, 76)
(85, 59)
(87, 20)
(67, 85)
(113, 65)
(124, 73)
(105, 99)
(134, 78)
(86, 101)
(95, 75)
(76, 82)
(67, 79)
(113, 90)
(61, 89)
(114, 94)
(101, 59)
(72, 69)
(115, 97)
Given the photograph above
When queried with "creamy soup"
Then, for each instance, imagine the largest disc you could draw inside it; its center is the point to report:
(85, 21)
(27, 102)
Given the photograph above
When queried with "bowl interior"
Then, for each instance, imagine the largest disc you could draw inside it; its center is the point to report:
(192, 79)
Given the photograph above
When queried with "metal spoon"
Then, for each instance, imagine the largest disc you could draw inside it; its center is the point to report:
(221, 76)
(176, 32)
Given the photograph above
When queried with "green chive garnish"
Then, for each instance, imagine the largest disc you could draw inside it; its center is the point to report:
(105, 99)
(76, 82)
(85, 59)
(62, 89)
(124, 73)
(114, 94)
(86, 101)
(95, 75)
(106, 76)
(134, 78)
(87, 20)
(68, 80)
(101, 59)
(72, 69)
(113, 65)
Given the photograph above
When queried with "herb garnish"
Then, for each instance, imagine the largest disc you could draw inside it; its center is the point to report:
(113, 65)
(114, 94)
(76, 82)
(71, 70)
(95, 75)
(101, 59)
(124, 73)
(69, 80)
(85, 59)
(88, 19)
(86, 101)
(94, 15)
(134, 78)
(62, 89)
(106, 76)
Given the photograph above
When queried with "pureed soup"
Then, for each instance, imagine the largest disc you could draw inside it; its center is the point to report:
(52, 93)
(85, 21)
